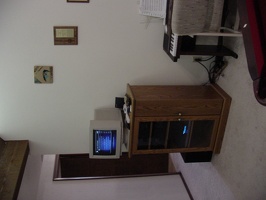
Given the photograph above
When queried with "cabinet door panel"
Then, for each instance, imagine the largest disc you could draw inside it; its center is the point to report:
(144, 137)
(172, 134)
(178, 135)
(158, 135)
(202, 133)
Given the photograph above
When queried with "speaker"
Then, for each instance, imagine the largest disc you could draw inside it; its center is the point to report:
(119, 102)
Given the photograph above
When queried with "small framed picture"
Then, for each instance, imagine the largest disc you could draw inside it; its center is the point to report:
(78, 1)
(43, 74)
(65, 35)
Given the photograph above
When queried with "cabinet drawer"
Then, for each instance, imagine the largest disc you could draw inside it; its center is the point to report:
(177, 107)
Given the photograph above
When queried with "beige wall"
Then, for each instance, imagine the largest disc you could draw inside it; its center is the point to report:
(115, 48)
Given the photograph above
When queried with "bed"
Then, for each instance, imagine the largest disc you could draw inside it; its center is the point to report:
(253, 22)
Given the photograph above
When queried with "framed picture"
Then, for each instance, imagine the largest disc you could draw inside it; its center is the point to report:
(78, 1)
(65, 35)
(43, 74)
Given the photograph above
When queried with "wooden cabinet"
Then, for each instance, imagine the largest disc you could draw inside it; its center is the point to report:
(167, 119)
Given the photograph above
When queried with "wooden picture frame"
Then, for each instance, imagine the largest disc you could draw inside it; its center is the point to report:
(78, 1)
(65, 35)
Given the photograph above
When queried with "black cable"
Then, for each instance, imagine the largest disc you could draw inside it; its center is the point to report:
(206, 59)
(212, 71)
(215, 69)
(203, 66)
(209, 77)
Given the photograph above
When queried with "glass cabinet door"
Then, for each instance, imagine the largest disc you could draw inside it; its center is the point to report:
(179, 134)
(173, 133)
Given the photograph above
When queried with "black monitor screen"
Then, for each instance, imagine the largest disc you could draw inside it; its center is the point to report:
(104, 142)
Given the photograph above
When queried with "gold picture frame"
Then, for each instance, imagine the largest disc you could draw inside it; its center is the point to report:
(65, 35)
(78, 1)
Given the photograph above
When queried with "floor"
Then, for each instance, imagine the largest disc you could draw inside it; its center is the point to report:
(238, 172)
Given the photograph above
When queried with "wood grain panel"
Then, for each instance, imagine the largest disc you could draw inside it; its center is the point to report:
(12, 164)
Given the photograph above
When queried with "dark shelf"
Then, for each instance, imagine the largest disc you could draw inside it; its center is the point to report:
(186, 47)
(214, 50)
(193, 157)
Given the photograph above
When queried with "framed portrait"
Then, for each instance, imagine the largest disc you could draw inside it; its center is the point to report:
(65, 35)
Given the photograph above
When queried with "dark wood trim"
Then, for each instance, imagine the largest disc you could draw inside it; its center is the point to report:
(186, 186)
(56, 176)
(80, 1)
(112, 177)
(81, 166)
(2, 144)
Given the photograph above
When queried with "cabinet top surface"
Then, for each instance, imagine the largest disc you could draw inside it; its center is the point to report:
(171, 92)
